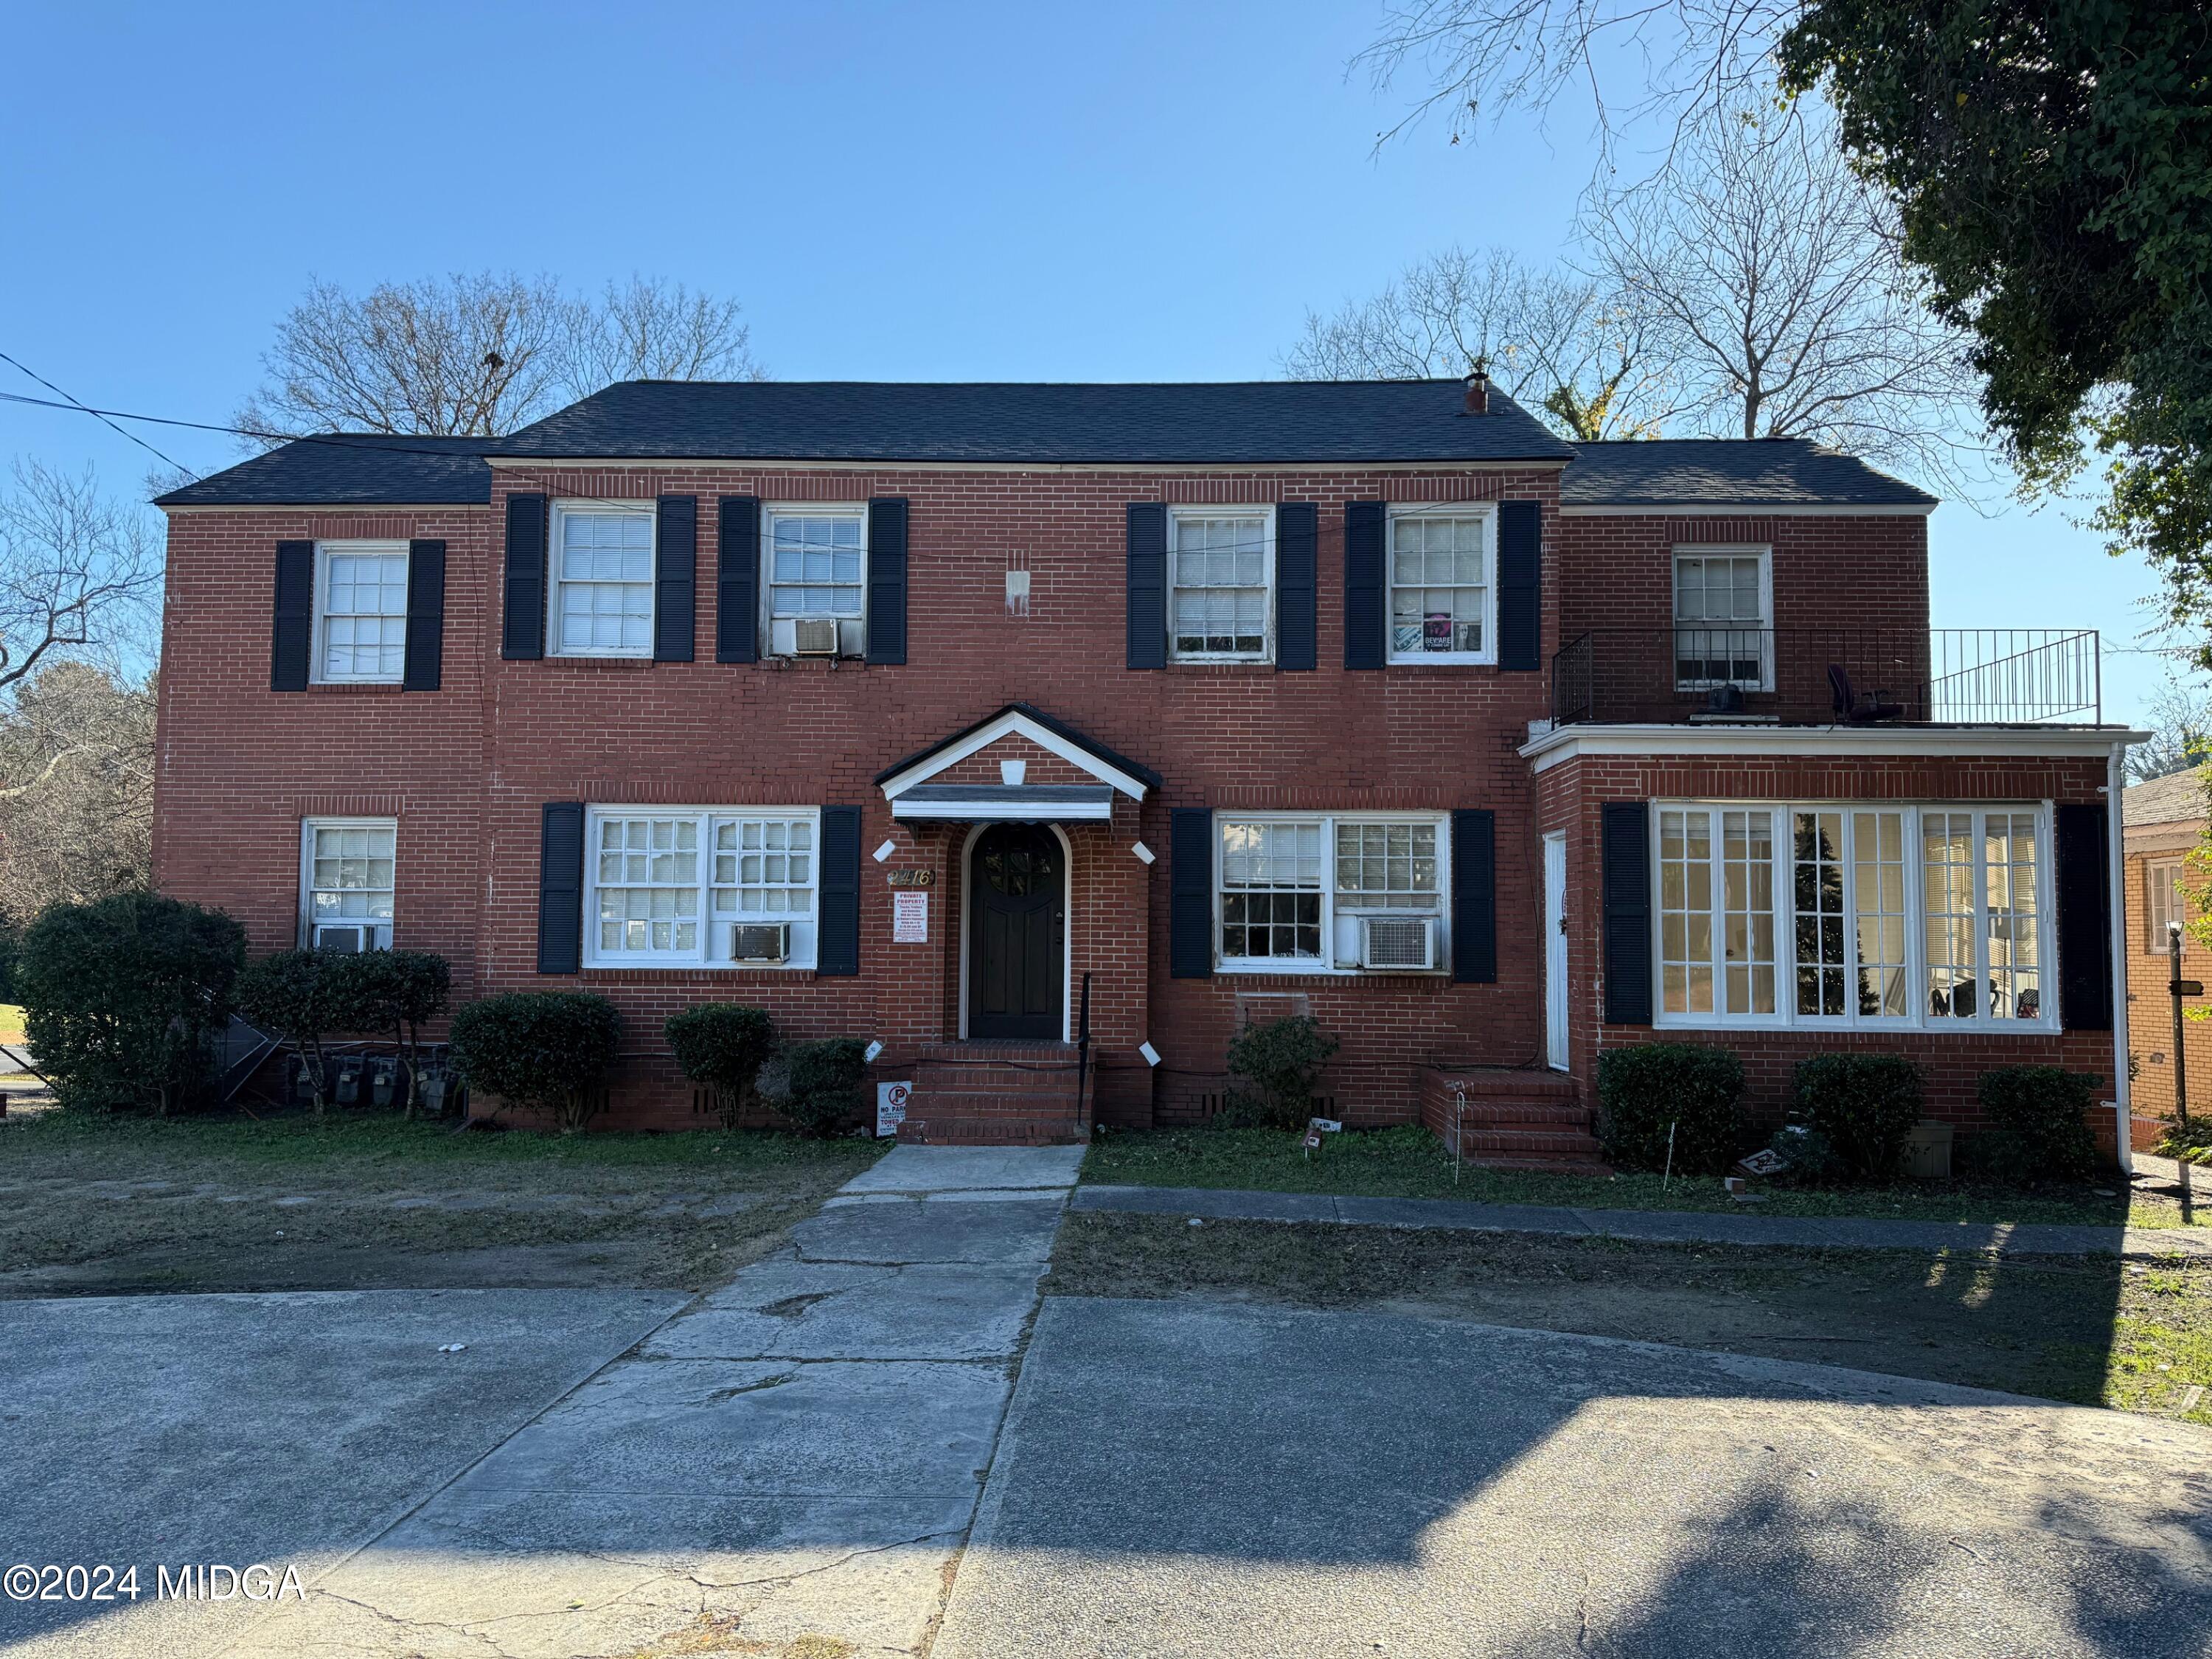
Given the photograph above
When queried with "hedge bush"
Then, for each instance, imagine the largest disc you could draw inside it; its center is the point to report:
(1644, 1090)
(2037, 1130)
(298, 996)
(818, 1085)
(1277, 1065)
(394, 994)
(125, 997)
(720, 1046)
(548, 1050)
(1864, 1105)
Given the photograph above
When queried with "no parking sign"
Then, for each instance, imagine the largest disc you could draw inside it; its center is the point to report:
(890, 1106)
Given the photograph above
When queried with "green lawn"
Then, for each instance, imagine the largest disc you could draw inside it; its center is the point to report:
(1409, 1162)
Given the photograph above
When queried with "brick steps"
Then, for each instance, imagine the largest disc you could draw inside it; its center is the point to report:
(1514, 1120)
(1007, 1131)
(993, 1094)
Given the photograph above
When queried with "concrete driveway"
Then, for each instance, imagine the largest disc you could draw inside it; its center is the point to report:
(1212, 1480)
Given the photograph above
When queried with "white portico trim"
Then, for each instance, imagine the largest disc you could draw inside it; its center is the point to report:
(1561, 743)
(1116, 774)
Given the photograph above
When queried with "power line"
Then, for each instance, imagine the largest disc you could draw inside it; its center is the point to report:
(101, 414)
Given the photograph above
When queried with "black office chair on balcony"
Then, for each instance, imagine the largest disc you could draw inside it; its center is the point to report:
(1862, 709)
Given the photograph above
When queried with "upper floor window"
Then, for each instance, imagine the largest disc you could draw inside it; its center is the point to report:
(1723, 618)
(1851, 915)
(346, 882)
(1304, 892)
(714, 887)
(2163, 903)
(601, 598)
(1221, 577)
(360, 612)
(1441, 603)
(815, 596)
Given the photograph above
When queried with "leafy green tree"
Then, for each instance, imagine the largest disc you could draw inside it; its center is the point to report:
(123, 998)
(2052, 166)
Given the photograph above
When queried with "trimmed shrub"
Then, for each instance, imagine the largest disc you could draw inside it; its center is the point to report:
(1864, 1105)
(123, 999)
(720, 1046)
(1644, 1090)
(394, 994)
(300, 997)
(2036, 1129)
(1278, 1065)
(822, 1084)
(547, 1049)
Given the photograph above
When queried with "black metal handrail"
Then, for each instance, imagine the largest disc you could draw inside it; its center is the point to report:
(1722, 672)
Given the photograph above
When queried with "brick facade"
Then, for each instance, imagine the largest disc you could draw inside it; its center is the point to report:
(466, 770)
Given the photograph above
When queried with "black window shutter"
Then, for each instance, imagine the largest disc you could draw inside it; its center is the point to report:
(291, 640)
(1624, 842)
(1147, 540)
(1362, 584)
(1521, 585)
(675, 578)
(737, 579)
(561, 888)
(838, 950)
(522, 631)
(886, 580)
(425, 656)
(1298, 579)
(2085, 920)
(1190, 894)
(1474, 896)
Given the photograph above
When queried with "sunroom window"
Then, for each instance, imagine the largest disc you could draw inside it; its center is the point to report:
(1892, 916)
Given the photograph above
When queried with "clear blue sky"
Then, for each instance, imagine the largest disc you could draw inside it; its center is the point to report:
(1141, 191)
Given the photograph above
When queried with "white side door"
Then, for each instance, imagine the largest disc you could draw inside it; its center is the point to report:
(1555, 952)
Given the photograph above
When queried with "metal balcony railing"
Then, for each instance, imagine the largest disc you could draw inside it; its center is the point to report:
(1720, 673)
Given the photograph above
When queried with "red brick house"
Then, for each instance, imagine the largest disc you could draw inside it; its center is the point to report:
(938, 715)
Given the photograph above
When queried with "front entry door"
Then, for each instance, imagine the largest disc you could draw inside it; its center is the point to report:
(1016, 909)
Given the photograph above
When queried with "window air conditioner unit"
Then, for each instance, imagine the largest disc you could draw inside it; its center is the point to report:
(815, 636)
(761, 942)
(348, 940)
(1405, 943)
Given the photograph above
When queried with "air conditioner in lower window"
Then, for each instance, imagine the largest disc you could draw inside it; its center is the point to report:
(760, 941)
(1404, 943)
(815, 636)
(349, 940)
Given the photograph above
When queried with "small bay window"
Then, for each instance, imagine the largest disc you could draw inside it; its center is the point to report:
(1844, 916)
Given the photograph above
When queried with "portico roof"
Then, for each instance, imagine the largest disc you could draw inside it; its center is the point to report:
(1117, 772)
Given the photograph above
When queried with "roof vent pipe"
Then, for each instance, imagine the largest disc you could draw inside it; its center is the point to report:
(1478, 390)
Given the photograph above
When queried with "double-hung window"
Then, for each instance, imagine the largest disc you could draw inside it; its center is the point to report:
(1295, 889)
(1442, 594)
(2162, 904)
(1845, 915)
(1221, 581)
(1723, 618)
(601, 601)
(701, 887)
(360, 612)
(346, 882)
(815, 597)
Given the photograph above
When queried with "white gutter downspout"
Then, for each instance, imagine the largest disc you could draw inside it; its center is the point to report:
(2115, 783)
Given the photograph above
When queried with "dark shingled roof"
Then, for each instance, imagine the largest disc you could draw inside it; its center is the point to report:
(1728, 472)
(348, 469)
(1231, 424)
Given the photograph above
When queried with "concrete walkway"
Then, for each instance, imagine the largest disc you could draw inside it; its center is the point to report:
(1662, 1226)
(799, 1453)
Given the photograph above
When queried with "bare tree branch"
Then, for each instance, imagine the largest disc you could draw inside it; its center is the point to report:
(79, 573)
(76, 788)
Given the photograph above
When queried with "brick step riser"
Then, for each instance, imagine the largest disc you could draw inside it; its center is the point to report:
(991, 1132)
(978, 1081)
(1517, 1086)
(963, 1055)
(947, 1102)
(1509, 1143)
(1495, 1111)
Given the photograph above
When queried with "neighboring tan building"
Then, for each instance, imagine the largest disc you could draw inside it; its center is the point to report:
(2163, 823)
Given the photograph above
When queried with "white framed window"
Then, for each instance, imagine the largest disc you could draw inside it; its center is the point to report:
(599, 602)
(346, 882)
(2164, 903)
(1221, 584)
(1293, 889)
(360, 612)
(712, 887)
(1723, 618)
(1843, 915)
(1443, 586)
(815, 564)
